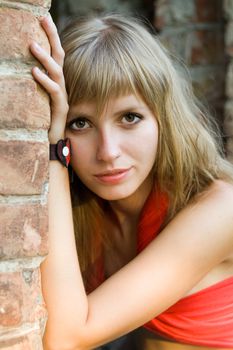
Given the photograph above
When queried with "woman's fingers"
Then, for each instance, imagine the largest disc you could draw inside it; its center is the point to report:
(50, 86)
(58, 98)
(54, 70)
(53, 82)
(54, 40)
(59, 105)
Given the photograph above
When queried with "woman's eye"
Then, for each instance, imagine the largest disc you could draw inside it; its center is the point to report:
(79, 124)
(131, 118)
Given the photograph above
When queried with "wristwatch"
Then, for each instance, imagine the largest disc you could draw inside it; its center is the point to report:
(61, 151)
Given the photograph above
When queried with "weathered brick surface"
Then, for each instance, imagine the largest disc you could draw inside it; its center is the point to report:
(31, 341)
(23, 230)
(194, 31)
(173, 12)
(228, 9)
(208, 11)
(43, 3)
(229, 81)
(24, 118)
(207, 47)
(11, 299)
(25, 102)
(208, 83)
(229, 39)
(34, 307)
(229, 149)
(21, 299)
(24, 167)
(176, 12)
(24, 27)
(228, 121)
(195, 47)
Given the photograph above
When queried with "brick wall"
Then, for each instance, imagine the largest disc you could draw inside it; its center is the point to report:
(24, 111)
(194, 31)
(63, 9)
(228, 122)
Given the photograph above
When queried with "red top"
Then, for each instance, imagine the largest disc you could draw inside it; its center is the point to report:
(204, 318)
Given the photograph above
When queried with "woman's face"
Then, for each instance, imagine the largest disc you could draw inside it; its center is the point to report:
(113, 154)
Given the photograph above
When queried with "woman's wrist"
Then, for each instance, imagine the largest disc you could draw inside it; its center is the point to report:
(55, 135)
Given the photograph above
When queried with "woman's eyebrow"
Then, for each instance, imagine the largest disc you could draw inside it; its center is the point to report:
(129, 109)
(73, 115)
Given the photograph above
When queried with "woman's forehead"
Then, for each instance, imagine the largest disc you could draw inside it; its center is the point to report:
(126, 101)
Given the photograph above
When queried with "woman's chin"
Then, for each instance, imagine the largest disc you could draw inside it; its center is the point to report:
(113, 195)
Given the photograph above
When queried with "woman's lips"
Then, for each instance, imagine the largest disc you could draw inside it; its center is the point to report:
(113, 176)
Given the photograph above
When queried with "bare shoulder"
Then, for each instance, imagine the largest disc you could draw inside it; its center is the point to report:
(222, 188)
(206, 222)
(219, 193)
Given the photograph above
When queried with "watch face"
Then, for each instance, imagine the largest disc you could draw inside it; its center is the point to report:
(64, 151)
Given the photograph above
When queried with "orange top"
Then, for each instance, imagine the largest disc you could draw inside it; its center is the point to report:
(204, 318)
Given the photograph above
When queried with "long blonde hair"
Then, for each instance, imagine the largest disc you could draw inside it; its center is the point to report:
(113, 55)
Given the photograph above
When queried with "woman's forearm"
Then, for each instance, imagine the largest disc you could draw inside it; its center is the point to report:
(62, 284)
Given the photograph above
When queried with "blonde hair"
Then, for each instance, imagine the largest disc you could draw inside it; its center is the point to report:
(111, 56)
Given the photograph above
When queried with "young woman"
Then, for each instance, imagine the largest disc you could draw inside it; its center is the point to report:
(151, 195)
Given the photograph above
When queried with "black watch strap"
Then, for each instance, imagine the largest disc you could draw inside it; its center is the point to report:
(61, 151)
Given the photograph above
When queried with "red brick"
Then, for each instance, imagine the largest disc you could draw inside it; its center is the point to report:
(23, 104)
(21, 298)
(24, 167)
(229, 50)
(209, 10)
(23, 230)
(30, 341)
(11, 299)
(18, 29)
(207, 47)
(33, 304)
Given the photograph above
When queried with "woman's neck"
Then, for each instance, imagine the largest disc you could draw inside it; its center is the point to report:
(128, 209)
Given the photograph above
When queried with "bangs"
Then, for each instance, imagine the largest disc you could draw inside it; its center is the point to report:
(98, 73)
(103, 60)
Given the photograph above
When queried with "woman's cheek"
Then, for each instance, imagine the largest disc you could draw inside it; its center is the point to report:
(81, 155)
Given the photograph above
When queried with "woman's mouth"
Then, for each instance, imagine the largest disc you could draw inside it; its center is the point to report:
(113, 176)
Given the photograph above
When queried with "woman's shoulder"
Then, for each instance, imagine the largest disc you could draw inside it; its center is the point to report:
(212, 207)
(218, 191)
(209, 214)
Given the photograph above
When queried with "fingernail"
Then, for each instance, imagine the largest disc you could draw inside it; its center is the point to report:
(36, 46)
(42, 18)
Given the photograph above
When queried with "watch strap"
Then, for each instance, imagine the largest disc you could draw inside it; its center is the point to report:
(61, 151)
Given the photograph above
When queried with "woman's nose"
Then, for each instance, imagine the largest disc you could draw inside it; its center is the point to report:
(108, 148)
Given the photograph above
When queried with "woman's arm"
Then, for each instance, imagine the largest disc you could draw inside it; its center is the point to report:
(199, 238)
(62, 284)
(61, 278)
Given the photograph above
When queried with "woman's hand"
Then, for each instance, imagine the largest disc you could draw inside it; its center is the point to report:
(53, 82)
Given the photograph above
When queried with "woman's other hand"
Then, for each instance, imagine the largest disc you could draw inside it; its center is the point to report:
(52, 81)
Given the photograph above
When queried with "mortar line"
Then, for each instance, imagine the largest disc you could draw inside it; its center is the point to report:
(37, 10)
